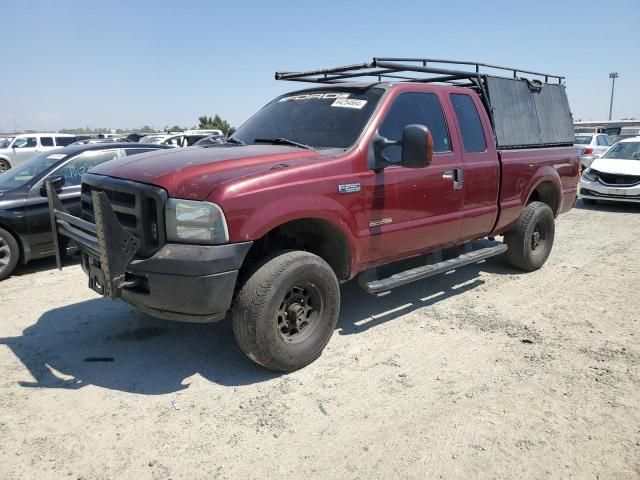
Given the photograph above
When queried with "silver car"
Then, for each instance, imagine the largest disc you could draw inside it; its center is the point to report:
(20, 148)
(591, 147)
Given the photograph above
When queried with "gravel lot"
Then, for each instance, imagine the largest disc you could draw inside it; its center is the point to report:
(482, 373)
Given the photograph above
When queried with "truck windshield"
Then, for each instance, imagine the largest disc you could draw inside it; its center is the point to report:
(4, 142)
(624, 151)
(331, 118)
(25, 172)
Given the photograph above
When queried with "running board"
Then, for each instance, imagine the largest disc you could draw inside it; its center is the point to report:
(379, 286)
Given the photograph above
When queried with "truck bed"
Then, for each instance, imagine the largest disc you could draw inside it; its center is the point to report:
(523, 170)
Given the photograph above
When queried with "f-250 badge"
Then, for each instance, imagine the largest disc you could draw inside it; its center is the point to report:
(349, 188)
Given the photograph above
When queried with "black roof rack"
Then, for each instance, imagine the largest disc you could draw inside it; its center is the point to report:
(526, 108)
(429, 70)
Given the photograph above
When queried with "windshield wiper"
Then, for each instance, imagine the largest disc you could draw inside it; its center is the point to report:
(234, 140)
(282, 141)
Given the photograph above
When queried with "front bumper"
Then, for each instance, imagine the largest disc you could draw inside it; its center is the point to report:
(193, 283)
(598, 191)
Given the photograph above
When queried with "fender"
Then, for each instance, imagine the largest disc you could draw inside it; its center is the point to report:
(288, 208)
(546, 173)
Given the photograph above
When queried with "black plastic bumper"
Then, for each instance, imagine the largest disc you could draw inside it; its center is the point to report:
(192, 283)
(180, 282)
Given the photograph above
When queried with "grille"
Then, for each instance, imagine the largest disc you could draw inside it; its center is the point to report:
(138, 207)
(614, 179)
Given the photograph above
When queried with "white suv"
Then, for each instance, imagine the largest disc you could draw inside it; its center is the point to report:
(20, 148)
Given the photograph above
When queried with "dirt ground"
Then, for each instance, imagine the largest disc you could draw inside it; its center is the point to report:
(482, 373)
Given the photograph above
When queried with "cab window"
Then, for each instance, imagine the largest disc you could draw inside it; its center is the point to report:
(46, 141)
(78, 166)
(25, 142)
(415, 108)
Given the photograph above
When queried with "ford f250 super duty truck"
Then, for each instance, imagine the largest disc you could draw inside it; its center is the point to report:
(345, 179)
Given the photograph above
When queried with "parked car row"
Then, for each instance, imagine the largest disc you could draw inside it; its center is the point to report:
(19, 148)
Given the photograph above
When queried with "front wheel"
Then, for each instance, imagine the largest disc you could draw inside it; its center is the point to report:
(9, 253)
(4, 166)
(531, 239)
(287, 310)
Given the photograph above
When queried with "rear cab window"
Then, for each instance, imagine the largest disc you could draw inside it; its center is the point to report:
(473, 138)
(46, 141)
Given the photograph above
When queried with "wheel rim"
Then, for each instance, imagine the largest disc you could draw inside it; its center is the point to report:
(3, 167)
(299, 314)
(538, 238)
(5, 254)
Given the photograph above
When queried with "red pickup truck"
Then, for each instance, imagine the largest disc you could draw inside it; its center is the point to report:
(324, 184)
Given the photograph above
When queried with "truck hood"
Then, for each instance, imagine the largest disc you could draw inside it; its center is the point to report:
(612, 165)
(193, 172)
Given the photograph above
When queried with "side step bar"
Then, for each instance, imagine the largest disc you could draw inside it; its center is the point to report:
(377, 286)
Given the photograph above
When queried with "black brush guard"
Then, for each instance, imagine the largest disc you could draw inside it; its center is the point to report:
(108, 246)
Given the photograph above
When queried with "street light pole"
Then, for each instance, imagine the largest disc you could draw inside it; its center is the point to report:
(612, 76)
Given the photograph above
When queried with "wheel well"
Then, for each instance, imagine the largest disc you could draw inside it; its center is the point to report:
(546, 192)
(310, 234)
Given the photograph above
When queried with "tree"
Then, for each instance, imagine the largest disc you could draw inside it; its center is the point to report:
(208, 123)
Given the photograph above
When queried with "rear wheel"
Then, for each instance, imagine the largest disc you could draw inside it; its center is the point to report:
(287, 310)
(9, 253)
(4, 166)
(531, 239)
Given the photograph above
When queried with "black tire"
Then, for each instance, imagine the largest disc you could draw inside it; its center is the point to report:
(9, 253)
(589, 201)
(4, 166)
(531, 239)
(287, 310)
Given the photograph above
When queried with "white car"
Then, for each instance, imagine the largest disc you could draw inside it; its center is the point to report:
(591, 147)
(20, 148)
(615, 176)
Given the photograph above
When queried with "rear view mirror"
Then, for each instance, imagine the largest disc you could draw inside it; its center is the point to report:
(57, 182)
(417, 146)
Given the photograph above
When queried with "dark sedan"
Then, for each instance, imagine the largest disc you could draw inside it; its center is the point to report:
(25, 229)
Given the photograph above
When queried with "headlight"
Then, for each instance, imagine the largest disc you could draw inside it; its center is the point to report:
(590, 175)
(189, 221)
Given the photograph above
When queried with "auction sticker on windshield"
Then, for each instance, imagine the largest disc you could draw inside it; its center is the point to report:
(349, 103)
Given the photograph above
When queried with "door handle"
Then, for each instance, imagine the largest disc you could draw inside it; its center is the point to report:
(458, 178)
(456, 175)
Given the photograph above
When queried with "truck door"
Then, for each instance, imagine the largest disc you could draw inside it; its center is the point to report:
(415, 209)
(481, 168)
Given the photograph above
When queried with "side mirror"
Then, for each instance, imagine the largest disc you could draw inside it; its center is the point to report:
(417, 146)
(57, 182)
(231, 131)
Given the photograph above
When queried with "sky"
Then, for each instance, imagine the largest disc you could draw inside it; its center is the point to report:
(125, 64)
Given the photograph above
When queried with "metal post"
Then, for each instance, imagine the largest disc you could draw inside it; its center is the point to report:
(612, 76)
